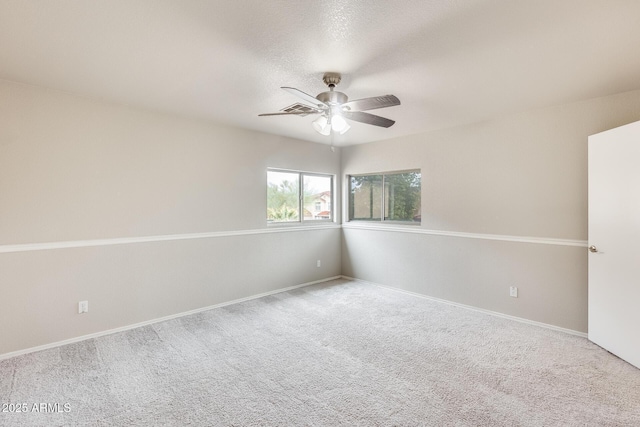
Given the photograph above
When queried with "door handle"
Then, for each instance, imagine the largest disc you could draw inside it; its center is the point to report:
(593, 249)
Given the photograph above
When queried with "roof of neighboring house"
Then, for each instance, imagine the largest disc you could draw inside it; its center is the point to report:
(323, 194)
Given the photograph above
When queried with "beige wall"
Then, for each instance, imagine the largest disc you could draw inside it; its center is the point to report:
(523, 175)
(73, 169)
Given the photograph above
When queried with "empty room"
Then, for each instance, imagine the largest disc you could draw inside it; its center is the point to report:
(319, 213)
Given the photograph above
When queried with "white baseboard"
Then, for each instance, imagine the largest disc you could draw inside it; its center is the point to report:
(470, 307)
(157, 320)
(277, 291)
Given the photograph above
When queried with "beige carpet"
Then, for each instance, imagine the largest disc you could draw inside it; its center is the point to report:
(334, 354)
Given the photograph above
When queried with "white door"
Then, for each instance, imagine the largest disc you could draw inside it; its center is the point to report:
(614, 241)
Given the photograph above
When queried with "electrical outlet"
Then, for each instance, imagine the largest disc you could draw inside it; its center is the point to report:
(83, 307)
(318, 264)
(513, 292)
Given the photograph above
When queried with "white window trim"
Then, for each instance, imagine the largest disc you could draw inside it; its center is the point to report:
(301, 220)
(382, 220)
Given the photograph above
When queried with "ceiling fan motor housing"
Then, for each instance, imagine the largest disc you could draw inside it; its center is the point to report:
(332, 97)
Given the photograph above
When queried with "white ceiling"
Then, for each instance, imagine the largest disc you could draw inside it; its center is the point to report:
(450, 62)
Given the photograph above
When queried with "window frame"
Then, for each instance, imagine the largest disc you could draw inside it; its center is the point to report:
(381, 219)
(301, 220)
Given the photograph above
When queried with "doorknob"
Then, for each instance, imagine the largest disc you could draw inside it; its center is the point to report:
(593, 249)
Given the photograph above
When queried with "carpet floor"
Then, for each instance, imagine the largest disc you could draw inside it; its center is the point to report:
(340, 353)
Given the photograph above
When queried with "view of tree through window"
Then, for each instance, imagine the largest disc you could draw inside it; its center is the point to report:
(298, 196)
(400, 200)
(283, 196)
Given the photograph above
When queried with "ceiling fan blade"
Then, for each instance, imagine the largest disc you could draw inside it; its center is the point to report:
(291, 113)
(308, 98)
(370, 119)
(371, 103)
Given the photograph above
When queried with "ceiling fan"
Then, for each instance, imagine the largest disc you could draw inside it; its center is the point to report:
(334, 107)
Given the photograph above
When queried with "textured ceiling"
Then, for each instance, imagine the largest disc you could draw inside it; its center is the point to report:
(450, 62)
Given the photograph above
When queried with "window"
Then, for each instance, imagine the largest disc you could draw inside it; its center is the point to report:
(391, 196)
(298, 196)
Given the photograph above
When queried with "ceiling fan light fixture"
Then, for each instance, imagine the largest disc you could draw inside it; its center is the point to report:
(321, 125)
(345, 129)
(339, 124)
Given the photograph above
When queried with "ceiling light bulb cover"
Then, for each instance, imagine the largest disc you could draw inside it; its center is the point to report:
(339, 124)
(345, 128)
(321, 125)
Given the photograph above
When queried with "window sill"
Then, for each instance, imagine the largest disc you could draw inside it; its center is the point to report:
(303, 224)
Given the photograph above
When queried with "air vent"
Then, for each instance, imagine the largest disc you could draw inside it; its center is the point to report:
(300, 108)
